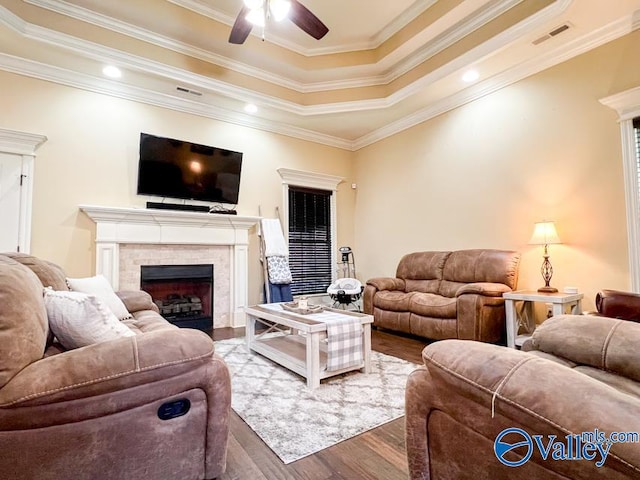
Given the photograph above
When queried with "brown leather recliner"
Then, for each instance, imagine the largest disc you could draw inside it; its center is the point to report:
(578, 374)
(618, 304)
(95, 412)
(439, 295)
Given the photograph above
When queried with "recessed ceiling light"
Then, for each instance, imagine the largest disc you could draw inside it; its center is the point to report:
(250, 108)
(471, 76)
(111, 71)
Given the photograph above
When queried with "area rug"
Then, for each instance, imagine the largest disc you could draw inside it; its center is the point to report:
(295, 421)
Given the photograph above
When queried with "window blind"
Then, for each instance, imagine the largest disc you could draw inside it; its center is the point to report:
(309, 240)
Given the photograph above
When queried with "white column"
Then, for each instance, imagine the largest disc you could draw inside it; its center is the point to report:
(108, 262)
(239, 282)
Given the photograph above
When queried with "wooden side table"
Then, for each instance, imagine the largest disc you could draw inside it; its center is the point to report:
(561, 302)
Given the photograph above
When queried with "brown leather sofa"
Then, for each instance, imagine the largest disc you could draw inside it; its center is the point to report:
(441, 295)
(94, 412)
(579, 374)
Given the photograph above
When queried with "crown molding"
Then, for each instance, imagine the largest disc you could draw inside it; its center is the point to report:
(320, 181)
(99, 85)
(626, 103)
(82, 81)
(393, 27)
(562, 53)
(394, 69)
(20, 143)
(106, 54)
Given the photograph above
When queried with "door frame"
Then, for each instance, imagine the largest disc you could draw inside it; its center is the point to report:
(23, 145)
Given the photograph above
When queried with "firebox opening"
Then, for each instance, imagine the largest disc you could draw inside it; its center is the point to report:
(183, 293)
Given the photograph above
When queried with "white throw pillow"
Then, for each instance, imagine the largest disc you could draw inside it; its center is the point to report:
(78, 319)
(101, 288)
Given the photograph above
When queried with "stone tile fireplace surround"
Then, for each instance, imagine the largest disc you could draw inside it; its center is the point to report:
(127, 238)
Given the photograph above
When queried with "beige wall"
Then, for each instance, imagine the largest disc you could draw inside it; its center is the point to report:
(481, 175)
(91, 157)
(476, 177)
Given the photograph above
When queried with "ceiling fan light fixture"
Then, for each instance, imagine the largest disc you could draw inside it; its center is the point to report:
(256, 17)
(253, 4)
(279, 9)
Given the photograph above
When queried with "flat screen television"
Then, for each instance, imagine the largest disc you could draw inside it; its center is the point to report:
(178, 169)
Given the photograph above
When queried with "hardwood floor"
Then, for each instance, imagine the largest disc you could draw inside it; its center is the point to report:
(378, 454)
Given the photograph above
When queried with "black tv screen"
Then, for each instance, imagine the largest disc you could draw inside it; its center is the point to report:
(178, 169)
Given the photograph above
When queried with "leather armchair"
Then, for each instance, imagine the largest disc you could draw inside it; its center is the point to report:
(108, 410)
(618, 304)
(578, 374)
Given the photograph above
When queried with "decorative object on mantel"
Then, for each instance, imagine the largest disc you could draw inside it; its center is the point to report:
(544, 233)
(302, 307)
(295, 421)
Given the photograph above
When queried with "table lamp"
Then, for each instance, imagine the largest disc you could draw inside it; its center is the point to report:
(544, 233)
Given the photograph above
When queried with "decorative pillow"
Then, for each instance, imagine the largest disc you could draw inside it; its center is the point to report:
(78, 319)
(101, 288)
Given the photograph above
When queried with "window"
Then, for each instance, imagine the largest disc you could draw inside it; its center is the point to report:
(310, 240)
(310, 213)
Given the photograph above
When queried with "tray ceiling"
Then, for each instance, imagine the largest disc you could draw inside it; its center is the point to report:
(379, 70)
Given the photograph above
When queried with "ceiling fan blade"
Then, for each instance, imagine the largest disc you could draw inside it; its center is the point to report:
(307, 21)
(241, 28)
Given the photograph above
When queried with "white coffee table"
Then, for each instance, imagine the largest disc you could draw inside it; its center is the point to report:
(295, 341)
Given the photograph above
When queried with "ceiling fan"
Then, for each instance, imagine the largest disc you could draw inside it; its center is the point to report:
(256, 12)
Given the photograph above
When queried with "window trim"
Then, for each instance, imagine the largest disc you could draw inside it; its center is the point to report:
(627, 105)
(319, 181)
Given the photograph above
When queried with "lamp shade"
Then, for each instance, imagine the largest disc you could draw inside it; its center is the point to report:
(544, 233)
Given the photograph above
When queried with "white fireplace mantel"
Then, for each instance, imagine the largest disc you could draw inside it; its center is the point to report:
(119, 225)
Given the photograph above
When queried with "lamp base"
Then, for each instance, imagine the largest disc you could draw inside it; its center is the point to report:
(547, 290)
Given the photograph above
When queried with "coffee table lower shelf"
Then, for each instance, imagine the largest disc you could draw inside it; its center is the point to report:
(290, 351)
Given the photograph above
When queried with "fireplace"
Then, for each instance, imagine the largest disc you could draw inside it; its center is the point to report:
(183, 293)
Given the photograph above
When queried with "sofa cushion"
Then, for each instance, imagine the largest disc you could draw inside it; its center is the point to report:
(422, 265)
(430, 305)
(424, 286)
(482, 265)
(392, 300)
(50, 274)
(78, 319)
(23, 318)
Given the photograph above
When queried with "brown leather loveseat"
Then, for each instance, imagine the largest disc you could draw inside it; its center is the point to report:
(441, 295)
(577, 381)
(154, 405)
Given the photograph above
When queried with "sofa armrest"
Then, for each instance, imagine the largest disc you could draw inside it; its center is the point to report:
(137, 300)
(387, 283)
(106, 367)
(617, 304)
(487, 289)
(602, 342)
(484, 389)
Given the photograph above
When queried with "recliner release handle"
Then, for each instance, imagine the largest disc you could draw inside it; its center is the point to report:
(174, 409)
